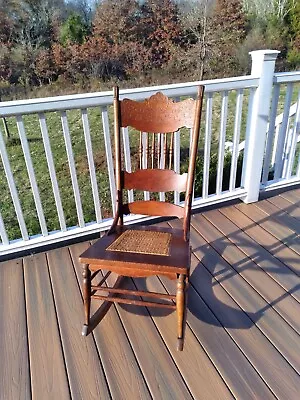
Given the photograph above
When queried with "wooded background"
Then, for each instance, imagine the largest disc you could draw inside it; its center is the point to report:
(81, 45)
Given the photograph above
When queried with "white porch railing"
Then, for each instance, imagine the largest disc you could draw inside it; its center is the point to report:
(281, 164)
(68, 138)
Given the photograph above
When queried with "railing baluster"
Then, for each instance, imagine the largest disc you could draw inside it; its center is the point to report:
(141, 151)
(90, 157)
(171, 150)
(3, 234)
(208, 126)
(295, 132)
(177, 162)
(152, 150)
(13, 189)
(31, 175)
(236, 139)
(279, 158)
(222, 136)
(162, 139)
(67, 138)
(270, 135)
(127, 159)
(247, 138)
(158, 150)
(145, 158)
(110, 165)
(50, 162)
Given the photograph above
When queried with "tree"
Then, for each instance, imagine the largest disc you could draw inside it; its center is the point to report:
(160, 29)
(213, 30)
(195, 17)
(73, 30)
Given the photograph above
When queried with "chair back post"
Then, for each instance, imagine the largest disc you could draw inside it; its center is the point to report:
(117, 124)
(192, 164)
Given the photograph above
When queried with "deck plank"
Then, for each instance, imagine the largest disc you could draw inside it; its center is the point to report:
(243, 325)
(292, 195)
(14, 366)
(272, 220)
(162, 376)
(121, 368)
(278, 215)
(270, 290)
(48, 374)
(281, 202)
(86, 377)
(198, 371)
(263, 258)
(248, 337)
(283, 337)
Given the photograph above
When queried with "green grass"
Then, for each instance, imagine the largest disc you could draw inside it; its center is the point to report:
(62, 168)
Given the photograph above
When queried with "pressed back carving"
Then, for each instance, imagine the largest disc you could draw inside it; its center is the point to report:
(158, 114)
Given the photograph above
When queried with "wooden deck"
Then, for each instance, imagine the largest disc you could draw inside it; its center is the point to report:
(242, 338)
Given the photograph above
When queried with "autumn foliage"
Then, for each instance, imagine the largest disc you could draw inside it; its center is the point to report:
(42, 42)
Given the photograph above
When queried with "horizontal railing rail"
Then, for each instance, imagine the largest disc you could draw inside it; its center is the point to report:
(76, 101)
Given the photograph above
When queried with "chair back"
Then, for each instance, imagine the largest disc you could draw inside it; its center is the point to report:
(157, 119)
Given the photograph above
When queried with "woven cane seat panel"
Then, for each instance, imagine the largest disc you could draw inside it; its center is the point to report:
(142, 242)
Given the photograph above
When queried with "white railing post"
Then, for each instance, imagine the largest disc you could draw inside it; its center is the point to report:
(263, 66)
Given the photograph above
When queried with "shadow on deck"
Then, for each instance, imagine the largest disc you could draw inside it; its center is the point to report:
(242, 337)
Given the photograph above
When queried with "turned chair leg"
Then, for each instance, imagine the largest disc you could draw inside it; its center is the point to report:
(181, 302)
(86, 273)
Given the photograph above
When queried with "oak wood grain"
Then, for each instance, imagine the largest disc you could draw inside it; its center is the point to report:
(154, 208)
(157, 114)
(155, 180)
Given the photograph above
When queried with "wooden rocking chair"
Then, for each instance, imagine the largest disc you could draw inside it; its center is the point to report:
(141, 251)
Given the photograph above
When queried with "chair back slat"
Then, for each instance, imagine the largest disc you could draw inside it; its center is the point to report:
(154, 180)
(153, 208)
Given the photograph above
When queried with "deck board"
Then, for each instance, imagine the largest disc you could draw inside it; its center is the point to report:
(121, 368)
(285, 205)
(14, 365)
(161, 373)
(283, 381)
(273, 223)
(281, 335)
(202, 378)
(84, 367)
(48, 372)
(243, 323)
(270, 291)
